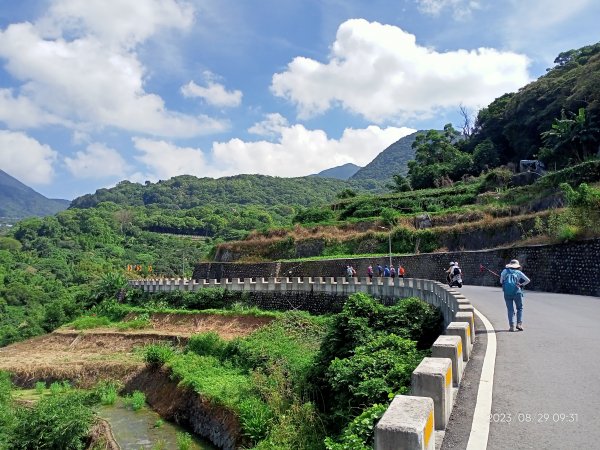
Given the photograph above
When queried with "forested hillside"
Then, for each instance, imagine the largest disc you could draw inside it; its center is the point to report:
(391, 161)
(555, 118)
(19, 200)
(186, 191)
(340, 172)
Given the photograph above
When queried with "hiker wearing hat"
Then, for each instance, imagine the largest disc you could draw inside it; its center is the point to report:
(512, 280)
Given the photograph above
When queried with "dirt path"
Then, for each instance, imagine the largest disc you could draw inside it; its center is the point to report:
(88, 355)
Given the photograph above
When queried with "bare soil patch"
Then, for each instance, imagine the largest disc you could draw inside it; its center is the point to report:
(87, 356)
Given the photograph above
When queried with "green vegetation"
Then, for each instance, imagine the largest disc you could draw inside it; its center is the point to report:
(136, 400)
(60, 420)
(393, 160)
(18, 200)
(184, 441)
(303, 377)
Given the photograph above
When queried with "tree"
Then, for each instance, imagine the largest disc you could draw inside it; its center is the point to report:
(572, 137)
(485, 155)
(438, 157)
(467, 121)
(401, 184)
(346, 193)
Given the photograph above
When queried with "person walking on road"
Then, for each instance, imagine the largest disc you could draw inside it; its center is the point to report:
(370, 273)
(512, 281)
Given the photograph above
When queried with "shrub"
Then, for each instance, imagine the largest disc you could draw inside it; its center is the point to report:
(255, 417)
(7, 418)
(359, 434)
(136, 400)
(158, 354)
(55, 422)
(184, 441)
(106, 392)
(381, 367)
(207, 344)
(40, 387)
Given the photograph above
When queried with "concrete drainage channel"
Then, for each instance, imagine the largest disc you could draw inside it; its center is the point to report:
(413, 421)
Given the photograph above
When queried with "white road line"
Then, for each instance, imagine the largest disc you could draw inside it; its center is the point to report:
(480, 427)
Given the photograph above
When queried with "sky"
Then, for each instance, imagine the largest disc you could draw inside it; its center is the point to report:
(93, 92)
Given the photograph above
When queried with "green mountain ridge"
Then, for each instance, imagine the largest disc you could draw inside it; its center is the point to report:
(18, 200)
(391, 161)
(342, 172)
(187, 191)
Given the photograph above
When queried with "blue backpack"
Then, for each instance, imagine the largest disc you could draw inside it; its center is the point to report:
(511, 282)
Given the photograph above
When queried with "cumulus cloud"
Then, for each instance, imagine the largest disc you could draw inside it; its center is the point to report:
(79, 64)
(214, 93)
(22, 112)
(97, 161)
(272, 126)
(296, 151)
(116, 22)
(380, 72)
(460, 8)
(25, 158)
(164, 160)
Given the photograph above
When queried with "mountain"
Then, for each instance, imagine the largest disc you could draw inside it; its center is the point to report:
(340, 172)
(389, 162)
(187, 191)
(18, 200)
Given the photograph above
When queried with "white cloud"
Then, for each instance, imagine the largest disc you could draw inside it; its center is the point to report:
(98, 161)
(72, 66)
(296, 152)
(299, 151)
(273, 125)
(116, 22)
(460, 8)
(381, 73)
(214, 93)
(25, 158)
(22, 112)
(164, 160)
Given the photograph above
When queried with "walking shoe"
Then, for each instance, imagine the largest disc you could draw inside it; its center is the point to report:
(520, 326)
(512, 328)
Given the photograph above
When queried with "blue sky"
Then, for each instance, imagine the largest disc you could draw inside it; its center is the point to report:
(97, 91)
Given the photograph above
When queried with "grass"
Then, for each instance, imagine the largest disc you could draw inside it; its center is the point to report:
(136, 400)
(87, 322)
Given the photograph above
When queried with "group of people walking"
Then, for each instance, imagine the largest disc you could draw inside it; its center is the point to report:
(511, 279)
(385, 271)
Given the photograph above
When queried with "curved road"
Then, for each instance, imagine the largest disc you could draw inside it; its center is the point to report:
(546, 392)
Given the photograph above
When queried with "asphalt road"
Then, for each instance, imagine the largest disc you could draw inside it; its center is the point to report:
(546, 391)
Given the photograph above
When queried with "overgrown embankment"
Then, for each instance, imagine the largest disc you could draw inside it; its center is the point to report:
(288, 380)
(480, 214)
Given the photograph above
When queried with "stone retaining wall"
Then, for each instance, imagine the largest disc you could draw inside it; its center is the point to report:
(572, 268)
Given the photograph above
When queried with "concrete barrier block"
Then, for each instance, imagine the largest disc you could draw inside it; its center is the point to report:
(450, 347)
(463, 330)
(407, 424)
(469, 318)
(464, 307)
(433, 378)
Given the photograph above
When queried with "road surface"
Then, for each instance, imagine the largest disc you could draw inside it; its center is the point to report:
(546, 392)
